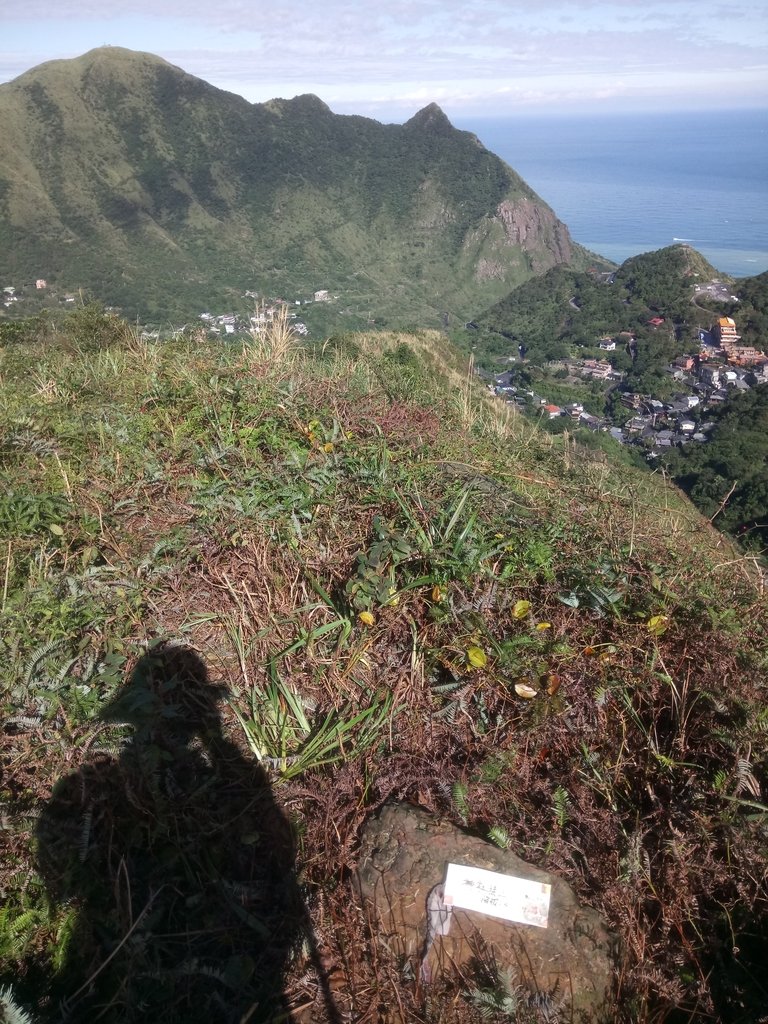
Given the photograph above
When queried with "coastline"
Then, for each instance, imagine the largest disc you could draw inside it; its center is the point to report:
(638, 183)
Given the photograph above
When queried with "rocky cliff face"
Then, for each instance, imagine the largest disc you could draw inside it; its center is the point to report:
(531, 225)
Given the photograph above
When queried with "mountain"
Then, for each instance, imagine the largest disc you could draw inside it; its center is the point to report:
(160, 193)
(555, 314)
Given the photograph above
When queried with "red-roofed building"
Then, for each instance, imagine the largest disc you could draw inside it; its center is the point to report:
(684, 362)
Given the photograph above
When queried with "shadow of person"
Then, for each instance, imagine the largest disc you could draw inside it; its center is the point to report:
(176, 861)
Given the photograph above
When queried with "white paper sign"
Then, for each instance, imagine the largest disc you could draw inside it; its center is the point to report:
(505, 896)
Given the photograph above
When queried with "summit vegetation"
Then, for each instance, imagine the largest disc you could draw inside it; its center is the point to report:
(251, 592)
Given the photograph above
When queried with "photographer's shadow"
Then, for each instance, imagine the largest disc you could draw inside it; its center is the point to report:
(177, 863)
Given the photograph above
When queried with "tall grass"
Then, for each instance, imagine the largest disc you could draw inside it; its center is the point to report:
(273, 341)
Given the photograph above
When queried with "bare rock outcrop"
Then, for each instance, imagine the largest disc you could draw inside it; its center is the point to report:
(404, 855)
(531, 225)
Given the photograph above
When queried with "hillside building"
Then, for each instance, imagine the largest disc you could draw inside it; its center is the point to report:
(684, 362)
(724, 332)
(596, 368)
(743, 355)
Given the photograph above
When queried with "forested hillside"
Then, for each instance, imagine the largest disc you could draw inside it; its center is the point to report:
(727, 478)
(552, 316)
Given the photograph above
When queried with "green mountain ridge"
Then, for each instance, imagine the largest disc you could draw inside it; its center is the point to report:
(160, 193)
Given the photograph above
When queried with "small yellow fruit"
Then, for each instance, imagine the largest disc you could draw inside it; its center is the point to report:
(367, 618)
(657, 624)
(476, 657)
(521, 609)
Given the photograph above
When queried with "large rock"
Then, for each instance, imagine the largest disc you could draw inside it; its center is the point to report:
(403, 856)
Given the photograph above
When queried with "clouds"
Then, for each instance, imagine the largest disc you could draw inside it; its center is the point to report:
(390, 56)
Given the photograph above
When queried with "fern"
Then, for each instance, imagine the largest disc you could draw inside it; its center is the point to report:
(10, 1011)
(85, 834)
(193, 967)
(18, 929)
(66, 935)
(497, 995)
(491, 1003)
(38, 655)
(636, 859)
(25, 721)
(111, 748)
(63, 672)
(745, 780)
(458, 704)
(459, 794)
(499, 837)
(561, 803)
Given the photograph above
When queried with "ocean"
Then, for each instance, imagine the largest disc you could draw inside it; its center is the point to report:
(637, 182)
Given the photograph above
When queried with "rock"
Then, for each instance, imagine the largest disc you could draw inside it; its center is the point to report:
(403, 856)
(534, 227)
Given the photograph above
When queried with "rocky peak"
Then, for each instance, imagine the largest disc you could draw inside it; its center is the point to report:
(430, 118)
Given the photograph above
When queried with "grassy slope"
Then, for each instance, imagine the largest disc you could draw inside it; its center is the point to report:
(252, 503)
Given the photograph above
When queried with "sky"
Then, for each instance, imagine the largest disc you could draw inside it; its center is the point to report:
(476, 58)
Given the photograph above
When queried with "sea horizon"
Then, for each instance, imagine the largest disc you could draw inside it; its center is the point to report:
(636, 183)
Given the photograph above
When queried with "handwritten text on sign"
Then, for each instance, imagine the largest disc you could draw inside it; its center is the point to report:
(505, 896)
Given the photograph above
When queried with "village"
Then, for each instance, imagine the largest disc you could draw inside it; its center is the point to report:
(718, 366)
(266, 309)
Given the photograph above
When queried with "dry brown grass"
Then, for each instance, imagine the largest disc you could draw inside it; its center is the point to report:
(274, 343)
(648, 734)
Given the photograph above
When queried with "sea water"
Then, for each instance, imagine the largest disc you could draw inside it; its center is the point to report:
(633, 183)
